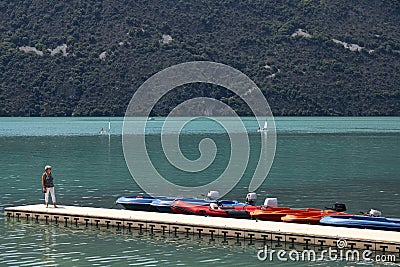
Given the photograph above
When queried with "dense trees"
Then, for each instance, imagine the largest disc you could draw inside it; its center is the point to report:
(114, 46)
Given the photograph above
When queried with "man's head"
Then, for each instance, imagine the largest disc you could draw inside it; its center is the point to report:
(47, 169)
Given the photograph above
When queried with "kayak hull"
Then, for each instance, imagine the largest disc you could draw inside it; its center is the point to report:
(365, 222)
(276, 214)
(182, 207)
(163, 204)
(141, 203)
(308, 218)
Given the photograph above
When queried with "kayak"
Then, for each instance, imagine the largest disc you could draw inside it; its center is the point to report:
(311, 217)
(276, 214)
(306, 219)
(142, 203)
(246, 207)
(183, 207)
(359, 221)
(163, 204)
(258, 209)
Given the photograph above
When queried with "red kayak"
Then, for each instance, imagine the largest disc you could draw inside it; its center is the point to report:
(179, 206)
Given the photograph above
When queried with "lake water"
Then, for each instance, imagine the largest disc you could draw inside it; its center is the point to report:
(318, 161)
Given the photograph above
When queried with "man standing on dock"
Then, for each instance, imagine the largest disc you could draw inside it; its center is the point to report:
(48, 186)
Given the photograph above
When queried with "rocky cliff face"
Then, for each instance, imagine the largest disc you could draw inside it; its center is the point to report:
(87, 58)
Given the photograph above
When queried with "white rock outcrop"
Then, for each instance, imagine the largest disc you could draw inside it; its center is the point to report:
(301, 33)
(103, 55)
(351, 47)
(59, 49)
(166, 39)
(28, 49)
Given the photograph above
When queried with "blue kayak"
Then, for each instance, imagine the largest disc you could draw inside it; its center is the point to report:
(140, 202)
(358, 221)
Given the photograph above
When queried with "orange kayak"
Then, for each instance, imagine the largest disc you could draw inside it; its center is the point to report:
(308, 218)
(269, 214)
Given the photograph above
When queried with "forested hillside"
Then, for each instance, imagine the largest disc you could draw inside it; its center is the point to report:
(87, 58)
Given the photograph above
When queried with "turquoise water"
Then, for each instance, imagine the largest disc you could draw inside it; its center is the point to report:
(318, 161)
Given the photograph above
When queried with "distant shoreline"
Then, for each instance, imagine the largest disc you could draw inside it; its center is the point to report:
(244, 116)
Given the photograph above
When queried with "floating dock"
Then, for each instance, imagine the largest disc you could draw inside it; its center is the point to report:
(240, 229)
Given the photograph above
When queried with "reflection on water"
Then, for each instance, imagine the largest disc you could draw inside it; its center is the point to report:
(318, 162)
(29, 243)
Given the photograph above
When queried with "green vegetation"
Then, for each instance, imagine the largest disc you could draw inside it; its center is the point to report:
(299, 75)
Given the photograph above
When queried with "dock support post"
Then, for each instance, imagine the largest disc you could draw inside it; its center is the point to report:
(279, 238)
(187, 231)
(212, 235)
(264, 239)
(163, 229)
(129, 226)
(151, 229)
(224, 241)
(251, 235)
(351, 244)
(199, 230)
(237, 236)
(367, 246)
(175, 230)
(308, 241)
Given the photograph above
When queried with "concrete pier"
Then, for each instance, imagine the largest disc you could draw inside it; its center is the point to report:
(243, 229)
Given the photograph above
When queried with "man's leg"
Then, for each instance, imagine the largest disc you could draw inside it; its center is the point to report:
(46, 197)
(53, 197)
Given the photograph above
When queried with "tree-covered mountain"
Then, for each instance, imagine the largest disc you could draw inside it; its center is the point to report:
(80, 58)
